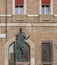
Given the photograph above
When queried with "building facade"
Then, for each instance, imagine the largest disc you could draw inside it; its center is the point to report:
(38, 19)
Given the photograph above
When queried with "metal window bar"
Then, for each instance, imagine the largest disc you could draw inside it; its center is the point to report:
(47, 52)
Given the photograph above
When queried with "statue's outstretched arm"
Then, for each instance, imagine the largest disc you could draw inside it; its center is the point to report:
(27, 37)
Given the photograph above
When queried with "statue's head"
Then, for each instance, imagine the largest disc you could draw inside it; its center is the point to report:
(20, 29)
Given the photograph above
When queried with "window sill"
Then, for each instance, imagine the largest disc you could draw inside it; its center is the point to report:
(22, 63)
(46, 15)
(47, 63)
(19, 14)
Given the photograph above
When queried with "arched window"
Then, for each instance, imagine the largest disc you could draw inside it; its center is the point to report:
(23, 55)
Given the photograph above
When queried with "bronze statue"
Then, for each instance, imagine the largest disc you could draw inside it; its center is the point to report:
(20, 41)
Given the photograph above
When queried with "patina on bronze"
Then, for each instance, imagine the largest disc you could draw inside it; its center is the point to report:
(20, 41)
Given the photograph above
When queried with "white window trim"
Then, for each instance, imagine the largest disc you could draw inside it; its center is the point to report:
(14, 7)
(25, 4)
(51, 7)
(40, 12)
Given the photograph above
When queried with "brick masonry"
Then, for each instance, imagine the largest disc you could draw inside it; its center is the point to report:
(37, 33)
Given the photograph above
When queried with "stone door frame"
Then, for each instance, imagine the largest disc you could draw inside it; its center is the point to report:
(32, 51)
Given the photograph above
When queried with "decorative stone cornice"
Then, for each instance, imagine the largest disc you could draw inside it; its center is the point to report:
(28, 24)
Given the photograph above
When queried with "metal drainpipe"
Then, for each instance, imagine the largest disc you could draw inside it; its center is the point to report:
(6, 17)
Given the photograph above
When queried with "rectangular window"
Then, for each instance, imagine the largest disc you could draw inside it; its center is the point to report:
(45, 9)
(45, 6)
(47, 54)
(19, 9)
(19, 6)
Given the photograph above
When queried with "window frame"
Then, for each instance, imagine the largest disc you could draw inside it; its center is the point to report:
(52, 52)
(13, 47)
(13, 8)
(45, 9)
(51, 8)
(19, 9)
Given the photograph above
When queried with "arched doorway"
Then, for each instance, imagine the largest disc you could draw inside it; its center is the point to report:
(22, 57)
(32, 50)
